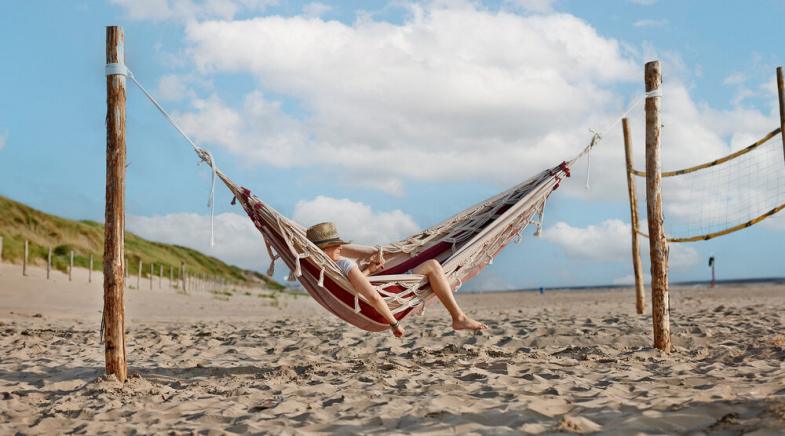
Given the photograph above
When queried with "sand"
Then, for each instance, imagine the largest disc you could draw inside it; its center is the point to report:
(565, 361)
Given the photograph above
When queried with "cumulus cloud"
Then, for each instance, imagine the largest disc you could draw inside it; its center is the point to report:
(610, 242)
(356, 221)
(315, 9)
(237, 241)
(161, 10)
(453, 92)
(3, 138)
(538, 6)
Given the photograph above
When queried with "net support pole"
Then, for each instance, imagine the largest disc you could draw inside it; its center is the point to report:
(781, 94)
(658, 246)
(114, 234)
(636, 252)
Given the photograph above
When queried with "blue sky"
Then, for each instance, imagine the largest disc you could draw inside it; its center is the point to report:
(388, 116)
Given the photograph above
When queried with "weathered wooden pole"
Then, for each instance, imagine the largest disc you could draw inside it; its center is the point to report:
(139, 275)
(170, 276)
(781, 94)
(90, 271)
(114, 229)
(24, 261)
(71, 266)
(48, 263)
(183, 276)
(1, 248)
(152, 274)
(658, 246)
(636, 252)
(160, 275)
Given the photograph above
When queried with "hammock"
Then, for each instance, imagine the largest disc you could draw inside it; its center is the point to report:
(464, 244)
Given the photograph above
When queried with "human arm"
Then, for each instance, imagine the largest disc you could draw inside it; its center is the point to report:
(364, 288)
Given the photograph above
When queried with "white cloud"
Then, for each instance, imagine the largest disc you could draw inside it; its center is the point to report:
(610, 242)
(160, 10)
(172, 87)
(650, 23)
(315, 9)
(356, 221)
(237, 241)
(3, 138)
(453, 92)
(537, 6)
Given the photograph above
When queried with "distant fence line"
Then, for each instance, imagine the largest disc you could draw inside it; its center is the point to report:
(178, 277)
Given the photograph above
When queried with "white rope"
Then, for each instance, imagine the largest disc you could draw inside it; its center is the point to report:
(206, 156)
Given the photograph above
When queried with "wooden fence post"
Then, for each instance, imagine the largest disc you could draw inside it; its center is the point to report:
(139, 275)
(631, 191)
(781, 95)
(24, 261)
(170, 276)
(183, 277)
(114, 236)
(1, 248)
(48, 263)
(152, 274)
(160, 275)
(90, 271)
(71, 266)
(658, 246)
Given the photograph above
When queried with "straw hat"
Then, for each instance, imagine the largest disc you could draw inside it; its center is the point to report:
(324, 235)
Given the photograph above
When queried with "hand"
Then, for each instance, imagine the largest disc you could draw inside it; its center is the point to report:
(398, 331)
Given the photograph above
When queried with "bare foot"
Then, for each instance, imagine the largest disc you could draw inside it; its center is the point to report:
(467, 323)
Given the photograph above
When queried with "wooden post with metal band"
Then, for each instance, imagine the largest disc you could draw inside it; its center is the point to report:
(658, 246)
(114, 229)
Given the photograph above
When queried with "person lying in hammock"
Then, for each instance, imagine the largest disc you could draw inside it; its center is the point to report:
(325, 236)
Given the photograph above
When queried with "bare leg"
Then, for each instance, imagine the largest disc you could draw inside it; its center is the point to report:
(441, 287)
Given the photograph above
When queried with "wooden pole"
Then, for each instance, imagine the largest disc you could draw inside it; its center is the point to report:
(48, 263)
(114, 236)
(636, 252)
(170, 276)
(90, 271)
(152, 273)
(160, 275)
(658, 246)
(139, 275)
(1, 248)
(781, 94)
(183, 277)
(71, 266)
(24, 261)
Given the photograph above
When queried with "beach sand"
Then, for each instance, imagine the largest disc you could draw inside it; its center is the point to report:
(566, 361)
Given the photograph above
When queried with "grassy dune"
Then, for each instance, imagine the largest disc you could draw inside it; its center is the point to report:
(19, 222)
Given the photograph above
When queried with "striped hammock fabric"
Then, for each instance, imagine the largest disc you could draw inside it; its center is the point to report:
(464, 244)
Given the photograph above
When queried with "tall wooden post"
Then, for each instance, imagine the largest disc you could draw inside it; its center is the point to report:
(152, 273)
(170, 276)
(139, 275)
(48, 263)
(24, 261)
(781, 94)
(90, 271)
(160, 275)
(114, 236)
(658, 246)
(636, 252)
(71, 266)
(1, 248)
